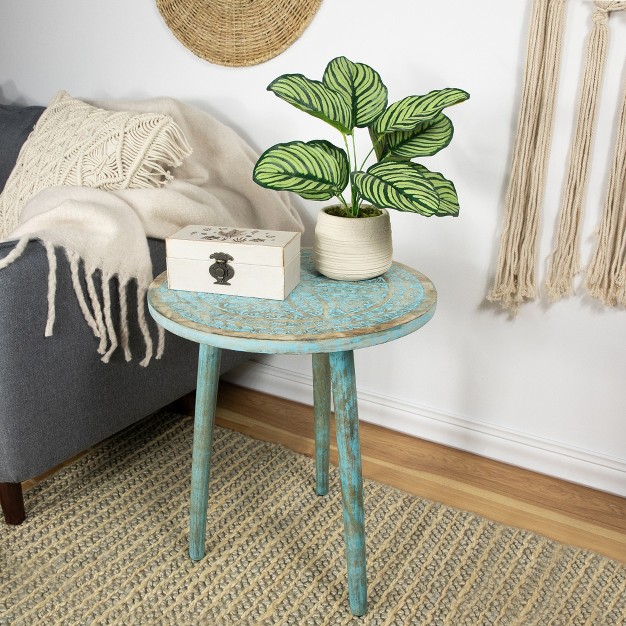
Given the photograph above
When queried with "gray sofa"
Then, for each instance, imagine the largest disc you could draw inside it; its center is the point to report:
(56, 397)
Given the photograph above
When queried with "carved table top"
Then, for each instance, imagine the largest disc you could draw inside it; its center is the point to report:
(319, 315)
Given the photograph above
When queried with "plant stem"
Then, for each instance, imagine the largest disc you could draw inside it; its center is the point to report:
(354, 193)
(343, 201)
(366, 157)
(345, 143)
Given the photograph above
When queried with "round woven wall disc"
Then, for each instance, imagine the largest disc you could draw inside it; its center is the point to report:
(237, 32)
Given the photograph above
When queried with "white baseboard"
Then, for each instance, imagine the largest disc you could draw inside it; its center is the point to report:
(508, 446)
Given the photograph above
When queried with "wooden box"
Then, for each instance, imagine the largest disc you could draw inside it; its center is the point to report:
(235, 261)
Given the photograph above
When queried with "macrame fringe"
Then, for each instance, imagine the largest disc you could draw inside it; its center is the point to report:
(565, 260)
(99, 317)
(606, 275)
(515, 274)
(164, 146)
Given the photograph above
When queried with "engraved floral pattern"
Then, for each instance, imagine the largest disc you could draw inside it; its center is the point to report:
(317, 307)
(233, 235)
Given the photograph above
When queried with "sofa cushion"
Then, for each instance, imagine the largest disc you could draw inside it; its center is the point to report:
(75, 143)
(16, 123)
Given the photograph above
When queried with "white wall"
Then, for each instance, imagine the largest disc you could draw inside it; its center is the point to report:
(545, 390)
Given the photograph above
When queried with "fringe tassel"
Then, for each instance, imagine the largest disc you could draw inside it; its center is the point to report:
(101, 321)
(565, 261)
(143, 325)
(103, 316)
(619, 262)
(161, 343)
(52, 287)
(20, 246)
(515, 274)
(123, 295)
(168, 148)
(108, 319)
(74, 261)
(606, 275)
(97, 310)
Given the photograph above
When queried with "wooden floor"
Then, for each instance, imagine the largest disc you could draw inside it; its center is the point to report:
(569, 513)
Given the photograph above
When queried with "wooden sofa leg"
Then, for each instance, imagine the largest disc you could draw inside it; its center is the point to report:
(12, 501)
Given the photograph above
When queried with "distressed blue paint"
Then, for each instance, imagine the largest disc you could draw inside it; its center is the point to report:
(303, 346)
(326, 318)
(349, 450)
(206, 396)
(321, 410)
(320, 315)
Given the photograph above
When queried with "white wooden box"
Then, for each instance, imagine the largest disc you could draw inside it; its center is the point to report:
(235, 261)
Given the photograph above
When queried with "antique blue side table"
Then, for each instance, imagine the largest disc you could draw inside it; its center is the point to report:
(326, 318)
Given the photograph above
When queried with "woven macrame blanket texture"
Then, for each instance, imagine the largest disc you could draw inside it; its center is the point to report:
(75, 143)
(105, 231)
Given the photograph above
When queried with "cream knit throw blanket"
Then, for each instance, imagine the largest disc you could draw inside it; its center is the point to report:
(107, 230)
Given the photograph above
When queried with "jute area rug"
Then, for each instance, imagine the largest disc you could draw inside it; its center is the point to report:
(106, 543)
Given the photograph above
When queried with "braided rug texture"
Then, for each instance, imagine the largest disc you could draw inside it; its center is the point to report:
(106, 543)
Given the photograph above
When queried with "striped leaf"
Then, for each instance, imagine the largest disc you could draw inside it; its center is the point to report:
(314, 98)
(426, 139)
(449, 201)
(411, 111)
(316, 170)
(339, 155)
(378, 142)
(361, 88)
(397, 185)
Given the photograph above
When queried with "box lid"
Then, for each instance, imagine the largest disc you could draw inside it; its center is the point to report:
(246, 245)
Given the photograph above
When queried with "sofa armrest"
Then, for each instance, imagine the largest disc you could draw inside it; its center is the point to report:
(56, 396)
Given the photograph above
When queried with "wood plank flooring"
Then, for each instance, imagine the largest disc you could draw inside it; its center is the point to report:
(568, 513)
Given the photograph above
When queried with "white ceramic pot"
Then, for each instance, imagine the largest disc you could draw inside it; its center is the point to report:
(352, 248)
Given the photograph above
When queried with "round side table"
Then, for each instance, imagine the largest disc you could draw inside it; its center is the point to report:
(326, 318)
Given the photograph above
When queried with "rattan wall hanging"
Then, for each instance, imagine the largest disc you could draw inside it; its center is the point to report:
(515, 279)
(237, 33)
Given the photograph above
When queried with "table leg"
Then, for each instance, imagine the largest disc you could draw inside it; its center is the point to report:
(321, 404)
(206, 397)
(347, 425)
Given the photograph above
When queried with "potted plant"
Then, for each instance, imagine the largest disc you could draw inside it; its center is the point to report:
(353, 238)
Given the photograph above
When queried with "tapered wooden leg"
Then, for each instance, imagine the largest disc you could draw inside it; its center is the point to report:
(349, 448)
(206, 397)
(12, 502)
(321, 402)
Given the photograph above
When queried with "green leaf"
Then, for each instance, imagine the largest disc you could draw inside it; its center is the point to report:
(339, 155)
(314, 98)
(315, 170)
(449, 201)
(426, 139)
(361, 88)
(397, 185)
(411, 111)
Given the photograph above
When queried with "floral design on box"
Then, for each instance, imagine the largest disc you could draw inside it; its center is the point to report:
(234, 235)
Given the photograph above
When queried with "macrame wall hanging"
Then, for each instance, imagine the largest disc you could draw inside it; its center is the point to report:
(516, 272)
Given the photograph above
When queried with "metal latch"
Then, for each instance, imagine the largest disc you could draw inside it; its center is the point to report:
(220, 270)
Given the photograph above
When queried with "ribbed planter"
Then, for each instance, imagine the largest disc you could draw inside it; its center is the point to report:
(351, 248)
